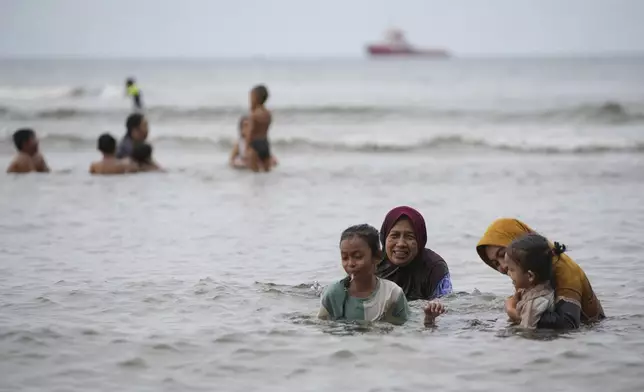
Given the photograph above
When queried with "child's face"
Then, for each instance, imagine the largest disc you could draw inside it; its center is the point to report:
(520, 278)
(357, 258)
(31, 146)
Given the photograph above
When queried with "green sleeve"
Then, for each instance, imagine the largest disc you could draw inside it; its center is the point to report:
(329, 298)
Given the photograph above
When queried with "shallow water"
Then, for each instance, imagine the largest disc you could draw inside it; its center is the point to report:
(204, 278)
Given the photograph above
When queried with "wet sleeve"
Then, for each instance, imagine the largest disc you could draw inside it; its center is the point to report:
(400, 310)
(326, 308)
(444, 287)
(566, 315)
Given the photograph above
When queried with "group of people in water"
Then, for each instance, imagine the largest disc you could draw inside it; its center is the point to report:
(384, 269)
(387, 269)
(133, 153)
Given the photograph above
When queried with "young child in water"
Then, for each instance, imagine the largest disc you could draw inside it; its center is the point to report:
(362, 296)
(110, 164)
(529, 260)
(29, 159)
(238, 154)
(142, 157)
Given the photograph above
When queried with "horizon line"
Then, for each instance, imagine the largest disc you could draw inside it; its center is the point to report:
(454, 56)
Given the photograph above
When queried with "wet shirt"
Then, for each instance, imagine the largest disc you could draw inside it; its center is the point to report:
(386, 303)
(534, 302)
(125, 148)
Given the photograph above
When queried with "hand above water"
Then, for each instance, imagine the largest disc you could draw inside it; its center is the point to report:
(511, 306)
(433, 310)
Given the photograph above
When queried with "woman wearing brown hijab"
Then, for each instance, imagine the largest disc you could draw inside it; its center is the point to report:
(420, 272)
(575, 300)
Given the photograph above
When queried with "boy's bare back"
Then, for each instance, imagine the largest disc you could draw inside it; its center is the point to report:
(261, 120)
(112, 166)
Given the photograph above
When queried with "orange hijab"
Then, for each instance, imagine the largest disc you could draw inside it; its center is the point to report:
(571, 283)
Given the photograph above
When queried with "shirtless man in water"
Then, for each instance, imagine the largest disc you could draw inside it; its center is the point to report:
(28, 158)
(110, 164)
(259, 150)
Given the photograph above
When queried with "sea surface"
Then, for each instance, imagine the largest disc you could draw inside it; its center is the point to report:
(205, 278)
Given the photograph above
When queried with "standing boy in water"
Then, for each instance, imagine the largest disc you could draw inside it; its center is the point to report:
(110, 164)
(28, 158)
(136, 132)
(132, 90)
(259, 151)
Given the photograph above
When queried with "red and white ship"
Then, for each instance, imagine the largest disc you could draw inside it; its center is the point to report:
(395, 44)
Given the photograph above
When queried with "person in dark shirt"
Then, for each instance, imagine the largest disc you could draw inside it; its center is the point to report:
(136, 132)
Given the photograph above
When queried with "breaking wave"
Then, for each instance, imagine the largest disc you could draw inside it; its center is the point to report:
(446, 142)
(603, 113)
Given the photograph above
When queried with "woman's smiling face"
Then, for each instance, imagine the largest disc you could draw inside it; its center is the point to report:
(401, 244)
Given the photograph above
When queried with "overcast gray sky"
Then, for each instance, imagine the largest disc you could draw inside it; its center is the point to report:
(307, 28)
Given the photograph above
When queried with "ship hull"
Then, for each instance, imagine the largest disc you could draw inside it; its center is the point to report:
(387, 51)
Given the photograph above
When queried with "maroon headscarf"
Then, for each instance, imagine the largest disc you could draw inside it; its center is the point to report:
(416, 219)
(421, 276)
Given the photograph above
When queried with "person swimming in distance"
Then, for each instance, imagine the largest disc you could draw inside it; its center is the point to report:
(362, 296)
(137, 130)
(29, 159)
(142, 157)
(238, 155)
(133, 90)
(110, 164)
(260, 118)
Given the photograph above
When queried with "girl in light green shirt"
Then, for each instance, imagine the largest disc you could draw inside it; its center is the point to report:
(362, 296)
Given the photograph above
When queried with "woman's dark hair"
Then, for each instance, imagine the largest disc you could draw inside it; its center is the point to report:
(142, 153)
(533, 253)
(367, 233)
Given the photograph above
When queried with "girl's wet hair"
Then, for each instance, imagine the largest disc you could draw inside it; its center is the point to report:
(367, 233)
(533, 253)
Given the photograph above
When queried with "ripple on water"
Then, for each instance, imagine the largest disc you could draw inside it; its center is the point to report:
(165, 347)
(234, 337)
(134, 363)
(343, 354)
(541, 361)
(574, 354)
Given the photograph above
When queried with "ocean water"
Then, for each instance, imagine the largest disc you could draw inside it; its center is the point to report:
(208, 279)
